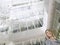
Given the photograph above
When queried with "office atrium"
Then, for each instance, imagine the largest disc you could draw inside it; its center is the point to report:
(23, 22)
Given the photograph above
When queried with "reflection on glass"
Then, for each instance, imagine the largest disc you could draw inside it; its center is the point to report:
(23, 28)
(27, 43)
(41, 21)
(4, 30)
(58, 6)
(38, 23)
(31, 27)
(16, 30)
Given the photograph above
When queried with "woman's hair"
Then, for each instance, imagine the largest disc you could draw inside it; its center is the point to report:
(52, 31)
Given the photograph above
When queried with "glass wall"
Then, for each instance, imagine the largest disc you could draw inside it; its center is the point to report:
(22, 15)
(29, 15)
(57, 18)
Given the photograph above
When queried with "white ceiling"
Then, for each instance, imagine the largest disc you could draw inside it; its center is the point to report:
(20, 12)
(6, 8)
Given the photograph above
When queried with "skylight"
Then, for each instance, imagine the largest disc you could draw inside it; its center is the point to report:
(28, 10)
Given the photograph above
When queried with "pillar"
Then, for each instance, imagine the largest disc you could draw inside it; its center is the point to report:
(51, 14)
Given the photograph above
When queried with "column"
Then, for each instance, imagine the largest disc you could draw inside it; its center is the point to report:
(51, 14)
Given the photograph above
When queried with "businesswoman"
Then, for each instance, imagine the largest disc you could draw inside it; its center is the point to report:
(51, 38)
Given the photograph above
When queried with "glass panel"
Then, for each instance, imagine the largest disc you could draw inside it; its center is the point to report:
(58, 6)
(57, 18)
(23, 28)
(38, 23)
(31, 27)
(16, 30)
(25, 10)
